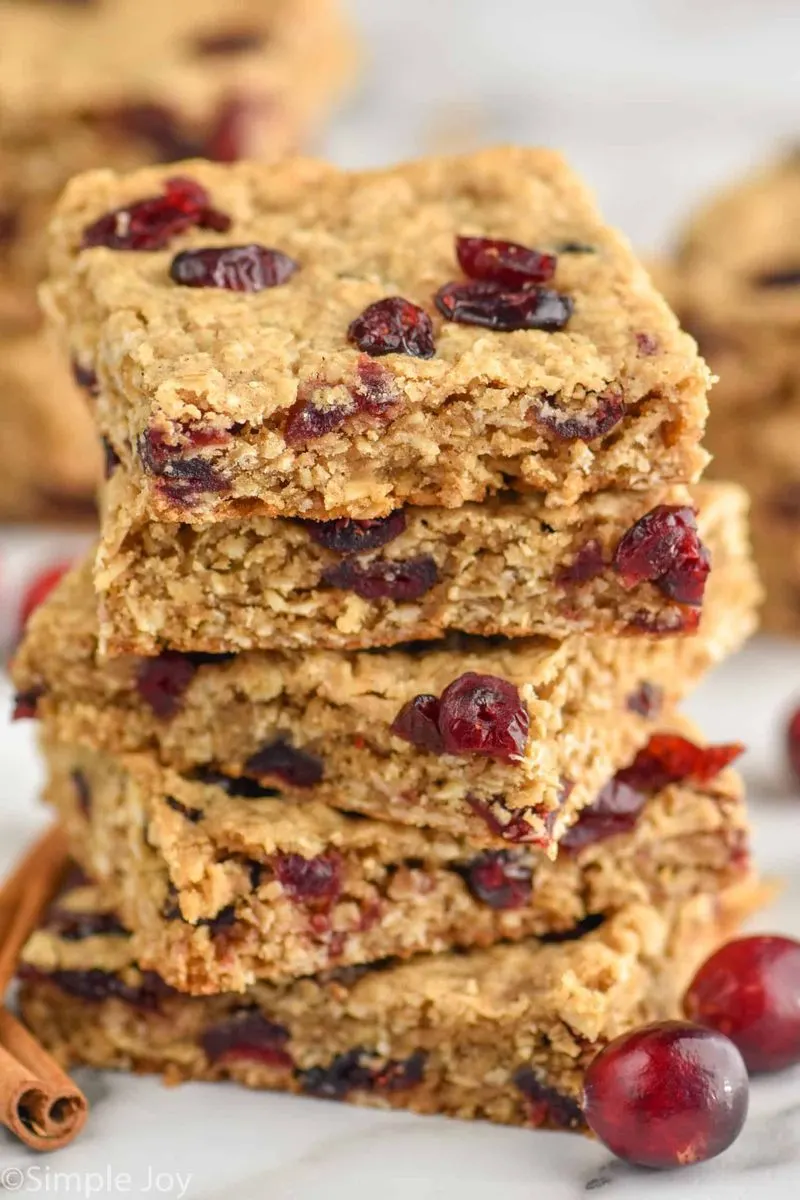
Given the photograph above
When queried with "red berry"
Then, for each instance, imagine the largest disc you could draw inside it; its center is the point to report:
(403, 580)
(793, 742)
(418, 723)
(664, 548)
(151, 224)
(667, 1095)
(506, 263)
(316, 882)
(233, 268)
(371, 391)
(483, 714)
(669, 758)
(616, 810)
(40, 589)
(347, 536)
(499, 878)
(587, 564)
(608, 411)
(750, 991)
(489, 305)
(393, 326)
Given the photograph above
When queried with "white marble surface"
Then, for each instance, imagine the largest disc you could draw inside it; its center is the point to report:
(655, 101)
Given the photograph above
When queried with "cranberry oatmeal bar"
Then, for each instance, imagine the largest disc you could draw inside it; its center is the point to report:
(51, 454)
(131, 82)
(736, 283)
(504, 1034)
(475, 736)
(302, 341)
(224, 882)
(617, 563)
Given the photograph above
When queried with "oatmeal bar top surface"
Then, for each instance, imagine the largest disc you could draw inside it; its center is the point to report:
(738, 259)
(68, 56)
(212, 374)
(509, 566)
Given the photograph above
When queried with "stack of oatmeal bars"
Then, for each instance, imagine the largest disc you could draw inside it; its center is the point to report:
(362, 717)
(124, 83)
(736, 283)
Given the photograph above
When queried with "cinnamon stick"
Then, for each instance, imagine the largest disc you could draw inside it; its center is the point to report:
(38, 1102)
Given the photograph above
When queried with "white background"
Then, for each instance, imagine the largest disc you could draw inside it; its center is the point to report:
(655, 102)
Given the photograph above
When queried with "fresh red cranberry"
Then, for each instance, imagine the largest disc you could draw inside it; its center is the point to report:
(85, 378)
(152, 223)
(370, 392)
(647, 345)
(347, 536)
(616, 810)
(664, 548)
(505, 263)
(483, 714)
(749, 990)
(316, 882)
(386, 579)
(499, 878)
(293, 766)
(669, 758)
(247, 1035)
(225, 42)
(490, 306)
(793, 742)
(393, 326)
(38, 591)
(26, 704)
(547, 1107)
(608, 411)
(418, 723)
(587, 564)
(647, 700)
(667, 1095)
(251, 268)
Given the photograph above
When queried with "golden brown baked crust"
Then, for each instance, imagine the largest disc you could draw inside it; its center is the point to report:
(196, 383)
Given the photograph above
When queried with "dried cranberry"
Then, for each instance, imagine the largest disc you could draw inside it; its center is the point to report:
(667, 1095)
(399, 1075)
(505, 263)
(83, 792)
(749, 990)
(249, 1035)
(152, 223)
(489, 305)
(499, 878)
(182, 479)
(345, 1074)
(483, 714)
(418, 723)
(247, 789)
(608, 411)
(77, 926)
(685, 620)
(96, 986)
(229, 41)
(587, 564)
(250, 268)
(793, 743)
(387, 579)
(185, 810)
(647, 345)
(346, 536)
(161, 682)
(393, 326)
(316, 882)
(295, 767)
(38, 591)
(515, 825)
(548, 1108)
(647, 700)
(669, 758)
(785, 277)
(371, 392)
(616, 810)
(664, 548)
(85, 378)
(26, 704)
